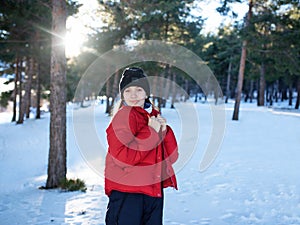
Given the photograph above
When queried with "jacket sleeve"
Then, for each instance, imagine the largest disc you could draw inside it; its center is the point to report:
(170, 145)
(127, 143)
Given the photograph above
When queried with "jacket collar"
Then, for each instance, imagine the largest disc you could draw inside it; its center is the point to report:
(149, 111)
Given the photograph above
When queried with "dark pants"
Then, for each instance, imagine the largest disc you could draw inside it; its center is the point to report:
(133, 209)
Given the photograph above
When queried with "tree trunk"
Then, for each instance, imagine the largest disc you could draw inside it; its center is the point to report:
(57, 168)
(284, 94)
(15, 90)
(115, 88)
(240, 82)
(262, 86)
(276, 91)
(32, 77)
(242, 69)
(228, 81)
(155, 91)
(108, 91)
(21, 106)
(251, 91)
(159, 89)
(298, 94)
(27, 96)
(38, 92)
(174, 91)
(291, 94)
(114, 92)
(168, 84)
(270, 94)
(186, 88)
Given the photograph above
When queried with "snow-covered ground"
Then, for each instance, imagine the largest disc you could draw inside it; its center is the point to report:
(254, 179)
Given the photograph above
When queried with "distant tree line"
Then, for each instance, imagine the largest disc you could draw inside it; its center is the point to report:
(272, 67)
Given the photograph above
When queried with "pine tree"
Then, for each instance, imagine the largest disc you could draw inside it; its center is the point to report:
(242, 68)
(57, 167)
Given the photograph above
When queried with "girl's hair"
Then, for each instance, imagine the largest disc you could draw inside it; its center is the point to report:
(116, 107)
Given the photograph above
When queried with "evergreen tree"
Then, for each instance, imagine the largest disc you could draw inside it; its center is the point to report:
(57, 167)
(242, 67)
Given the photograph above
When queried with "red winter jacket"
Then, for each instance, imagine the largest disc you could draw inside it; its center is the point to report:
(139, 160)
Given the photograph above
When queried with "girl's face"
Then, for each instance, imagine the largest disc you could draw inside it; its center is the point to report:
(134, 96)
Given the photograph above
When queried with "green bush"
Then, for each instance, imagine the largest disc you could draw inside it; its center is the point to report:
(73, 185)
(4, 98)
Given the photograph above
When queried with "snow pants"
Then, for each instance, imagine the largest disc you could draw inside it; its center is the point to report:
(133, 209)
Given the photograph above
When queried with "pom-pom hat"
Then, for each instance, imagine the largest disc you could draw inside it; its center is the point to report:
(134, 76)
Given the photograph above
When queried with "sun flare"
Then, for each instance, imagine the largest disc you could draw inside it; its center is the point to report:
(74, 38)
(79, 25)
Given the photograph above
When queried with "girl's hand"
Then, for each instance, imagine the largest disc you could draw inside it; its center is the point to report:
(154, 123)
(162, 121)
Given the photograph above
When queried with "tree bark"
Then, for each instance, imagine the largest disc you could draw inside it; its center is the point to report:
(251, 91)
(108, 93)
(186, 88)
(168, 84)
(228, 82)
(38, 92)
(15, 90)
(159, 90)
(21, 103)
(155, 91)
(262, 86)
(28, 85)
(115, 84)
(298, 94)
(174, 91)
(284, 94)
(290, 94)
(240, 82)
(115, 91)
(276, 90)
(57, 154)
(242, 69)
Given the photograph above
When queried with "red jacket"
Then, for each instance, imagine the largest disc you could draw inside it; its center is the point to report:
(139, 160)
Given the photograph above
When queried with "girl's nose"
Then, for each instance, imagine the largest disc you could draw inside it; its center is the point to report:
(133, 94)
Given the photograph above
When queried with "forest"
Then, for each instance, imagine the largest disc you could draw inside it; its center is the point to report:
(255, 59)
(269, 34)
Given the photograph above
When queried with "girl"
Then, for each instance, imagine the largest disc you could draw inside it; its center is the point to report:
(141, 151)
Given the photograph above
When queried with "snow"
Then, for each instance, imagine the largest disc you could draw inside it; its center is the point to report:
(253, 180)
(6, 87)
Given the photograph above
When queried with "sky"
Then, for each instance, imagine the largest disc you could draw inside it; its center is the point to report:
(77, 25)
(214, 19)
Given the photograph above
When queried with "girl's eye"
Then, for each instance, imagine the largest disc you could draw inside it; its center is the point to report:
(140, 89)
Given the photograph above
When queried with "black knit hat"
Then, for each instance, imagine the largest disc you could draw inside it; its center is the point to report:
(134, 76)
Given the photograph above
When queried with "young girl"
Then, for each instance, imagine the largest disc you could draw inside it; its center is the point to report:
(142, 149)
